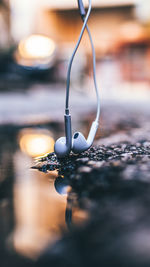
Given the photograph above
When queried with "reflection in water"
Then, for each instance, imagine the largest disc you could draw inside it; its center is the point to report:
(64, 183)
(36, 142)
(34, 207)
(7, 177)
(39, 209)
(32, 213)
(62, 187)
(73, 214)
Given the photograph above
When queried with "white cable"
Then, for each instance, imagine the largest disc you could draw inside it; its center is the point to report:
(73, 55)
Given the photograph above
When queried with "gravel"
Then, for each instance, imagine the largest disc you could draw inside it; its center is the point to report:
(101, 169)
(111, 182)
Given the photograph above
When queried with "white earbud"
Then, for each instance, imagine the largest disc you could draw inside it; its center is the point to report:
(64, 144)
(61, 147)
(79, 143)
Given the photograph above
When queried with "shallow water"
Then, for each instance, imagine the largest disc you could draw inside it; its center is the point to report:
(32, 213)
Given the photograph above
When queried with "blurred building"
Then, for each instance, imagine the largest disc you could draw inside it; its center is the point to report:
(60, 20)
(5, 39)
(120, 29)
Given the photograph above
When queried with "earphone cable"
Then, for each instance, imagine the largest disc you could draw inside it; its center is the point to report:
(73, 55)
(94, 75)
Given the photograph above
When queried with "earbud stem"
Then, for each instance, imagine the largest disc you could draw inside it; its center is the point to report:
(81, 8)
(68, 130)
(92, 133)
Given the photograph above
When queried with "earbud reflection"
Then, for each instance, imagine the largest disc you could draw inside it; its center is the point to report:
(62, 187)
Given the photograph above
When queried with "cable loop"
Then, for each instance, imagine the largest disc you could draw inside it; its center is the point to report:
(85, 17)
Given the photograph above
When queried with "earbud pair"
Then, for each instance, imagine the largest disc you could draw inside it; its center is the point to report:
(77, 143)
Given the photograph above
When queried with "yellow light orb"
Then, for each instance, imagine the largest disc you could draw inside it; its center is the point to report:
(36, 144)
(36, 47)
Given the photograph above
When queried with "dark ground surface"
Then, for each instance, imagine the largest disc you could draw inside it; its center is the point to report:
(111, 183)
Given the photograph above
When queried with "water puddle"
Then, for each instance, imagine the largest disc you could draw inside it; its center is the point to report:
(35, 207)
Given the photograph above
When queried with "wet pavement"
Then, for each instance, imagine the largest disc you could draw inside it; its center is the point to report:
(110, 184)
(40, 103)
(94, 205)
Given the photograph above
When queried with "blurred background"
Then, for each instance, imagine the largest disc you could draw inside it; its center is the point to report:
(37, 38)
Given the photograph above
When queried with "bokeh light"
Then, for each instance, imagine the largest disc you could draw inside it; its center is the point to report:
(36, 47)
(36, 143)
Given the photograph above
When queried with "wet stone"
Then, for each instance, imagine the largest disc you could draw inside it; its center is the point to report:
(101, 167)
(98, 164)
(91, 163)
(109, 153)
(82, 160)
(133, 148)
(84, 169)
(146, 144)
(112, 184)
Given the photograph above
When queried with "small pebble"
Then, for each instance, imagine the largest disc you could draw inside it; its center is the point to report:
(84, 169)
